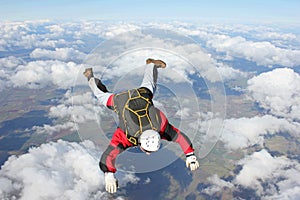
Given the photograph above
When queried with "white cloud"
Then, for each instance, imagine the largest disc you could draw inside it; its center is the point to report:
(33, 75)
(271, 177)
(59, 170)
(217, 185)
(276, 35)
(245, 132)
(129, 178)
(64, 75)
(184, 56)
(10, 62)
(240, 133)
(184, 113)
(63, 54)
(27, 35)
(16, 34)
(147, 181)
(182, 59)
(263, 53)
(39, 74)
(289, 187)
(115, 30)
(7, 67)
(56, 128)
(229, 73)
(259, 167)
(30, 34)
(277, 91)
(72, 109)
(56, 170)
(80, 107)
(56, 29)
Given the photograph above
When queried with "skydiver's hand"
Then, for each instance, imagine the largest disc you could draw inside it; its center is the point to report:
(191, 161)
(111, 183)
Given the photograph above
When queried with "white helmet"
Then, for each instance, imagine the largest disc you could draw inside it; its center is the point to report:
(150, 140)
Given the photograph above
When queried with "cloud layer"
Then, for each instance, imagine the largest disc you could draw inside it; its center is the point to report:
(263, 53)
(269, 178)
(261, 168)
(58, 170)
(246, 132)
(42, 54)
(278, 92)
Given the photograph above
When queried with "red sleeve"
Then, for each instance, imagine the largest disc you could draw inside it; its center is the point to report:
(120, 140)
(164, 121)
(116, 146)
(171, 133)
(110, 102)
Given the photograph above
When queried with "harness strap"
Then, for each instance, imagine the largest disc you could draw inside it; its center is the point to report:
(136, 113)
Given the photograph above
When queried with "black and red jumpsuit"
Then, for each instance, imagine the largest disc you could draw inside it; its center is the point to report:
(119, 141)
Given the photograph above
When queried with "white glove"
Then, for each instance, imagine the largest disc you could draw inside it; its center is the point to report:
(191, 161)
(111, 183)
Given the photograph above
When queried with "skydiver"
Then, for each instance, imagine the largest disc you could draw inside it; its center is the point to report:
(140, 123)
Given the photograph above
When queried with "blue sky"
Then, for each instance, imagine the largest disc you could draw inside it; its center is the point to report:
(243, 10)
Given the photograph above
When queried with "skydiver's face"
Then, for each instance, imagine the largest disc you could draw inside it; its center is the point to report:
(147, 152)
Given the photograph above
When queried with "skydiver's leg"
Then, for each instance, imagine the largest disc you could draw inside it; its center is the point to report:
(151, 73)
(150, 77)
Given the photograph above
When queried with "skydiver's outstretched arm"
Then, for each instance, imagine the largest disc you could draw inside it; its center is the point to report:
(117, 145)
(171, 133)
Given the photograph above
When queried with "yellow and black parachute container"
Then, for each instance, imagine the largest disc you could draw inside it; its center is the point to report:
(136, 113)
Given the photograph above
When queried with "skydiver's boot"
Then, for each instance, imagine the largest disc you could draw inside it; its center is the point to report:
(157, 63)
(88, 73)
